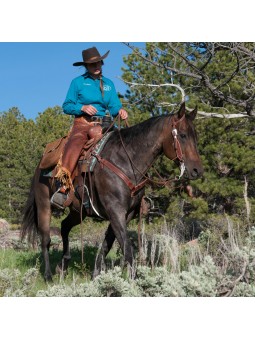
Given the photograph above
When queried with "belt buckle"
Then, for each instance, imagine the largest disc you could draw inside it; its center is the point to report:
(96, 119)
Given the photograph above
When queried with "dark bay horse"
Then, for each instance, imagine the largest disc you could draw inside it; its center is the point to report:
(133, 150)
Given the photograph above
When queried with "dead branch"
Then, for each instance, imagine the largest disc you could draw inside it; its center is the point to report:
(158, 85)
(202, 113)
(183, 65)
(222, 115)
(245, 195)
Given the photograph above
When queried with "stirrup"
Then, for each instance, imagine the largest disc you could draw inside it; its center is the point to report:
(58, 199)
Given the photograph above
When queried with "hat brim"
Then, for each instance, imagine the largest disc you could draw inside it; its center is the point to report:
(91, 61)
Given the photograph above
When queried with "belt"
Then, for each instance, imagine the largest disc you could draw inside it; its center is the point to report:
(94, 119)
(90, 119)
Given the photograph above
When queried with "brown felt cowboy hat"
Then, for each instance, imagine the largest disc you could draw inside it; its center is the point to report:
(91, 55)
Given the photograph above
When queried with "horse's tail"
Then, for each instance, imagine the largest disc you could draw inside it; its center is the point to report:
(29, 225)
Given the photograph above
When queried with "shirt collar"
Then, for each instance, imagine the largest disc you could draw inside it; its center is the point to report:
(87, 75)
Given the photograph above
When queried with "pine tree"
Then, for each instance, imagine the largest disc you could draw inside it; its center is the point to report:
(12, 171)
(52, 124)
(217, 77)
(21, 146)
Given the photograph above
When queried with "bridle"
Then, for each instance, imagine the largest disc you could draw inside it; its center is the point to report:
(177, 147)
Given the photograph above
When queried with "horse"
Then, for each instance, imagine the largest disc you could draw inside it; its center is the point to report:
(118, 184)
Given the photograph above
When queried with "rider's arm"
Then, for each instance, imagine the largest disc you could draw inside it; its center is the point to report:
(71, 105)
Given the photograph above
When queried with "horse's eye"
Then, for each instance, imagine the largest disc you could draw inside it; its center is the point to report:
(182, 135)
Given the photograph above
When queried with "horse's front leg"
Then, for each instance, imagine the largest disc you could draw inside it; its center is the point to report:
(107, 245)
(119, 226)
(105, 248)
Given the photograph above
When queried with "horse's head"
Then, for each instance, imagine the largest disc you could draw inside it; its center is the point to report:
(180, 142)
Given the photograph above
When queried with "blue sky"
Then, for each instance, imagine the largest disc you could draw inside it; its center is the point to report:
(37, 75)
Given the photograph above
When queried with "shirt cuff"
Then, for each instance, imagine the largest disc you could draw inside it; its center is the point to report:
(78, 111)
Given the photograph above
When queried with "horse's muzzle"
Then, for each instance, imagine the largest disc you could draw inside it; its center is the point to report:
(195, 172)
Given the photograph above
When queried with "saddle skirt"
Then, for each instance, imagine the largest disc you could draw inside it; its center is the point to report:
(52, 153)
(86, 162)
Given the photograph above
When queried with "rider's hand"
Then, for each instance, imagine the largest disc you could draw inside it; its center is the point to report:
(89, 109)
(123, 114)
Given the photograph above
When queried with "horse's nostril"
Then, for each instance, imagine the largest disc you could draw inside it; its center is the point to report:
(195, 172)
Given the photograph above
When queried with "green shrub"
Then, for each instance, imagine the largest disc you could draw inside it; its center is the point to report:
(216, 264)
(13, 283)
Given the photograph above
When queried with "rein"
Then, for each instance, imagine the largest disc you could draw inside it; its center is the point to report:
(179, 156)
(135, 188)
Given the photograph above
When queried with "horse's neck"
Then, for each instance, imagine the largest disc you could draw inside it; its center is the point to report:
(145, 146)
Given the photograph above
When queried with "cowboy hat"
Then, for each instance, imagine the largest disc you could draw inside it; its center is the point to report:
(91, 55)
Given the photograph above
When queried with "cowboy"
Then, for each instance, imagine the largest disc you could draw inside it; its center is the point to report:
(88, 98)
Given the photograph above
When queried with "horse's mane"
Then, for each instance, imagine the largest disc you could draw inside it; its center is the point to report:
(139, 131)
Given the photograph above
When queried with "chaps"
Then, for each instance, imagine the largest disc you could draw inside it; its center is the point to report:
(79, 135)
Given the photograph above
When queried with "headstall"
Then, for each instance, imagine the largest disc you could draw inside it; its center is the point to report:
(177, 147)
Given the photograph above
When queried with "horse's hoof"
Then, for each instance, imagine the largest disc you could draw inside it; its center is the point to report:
(60, 271)
(129, 271)
(96, 272)
(48, 278)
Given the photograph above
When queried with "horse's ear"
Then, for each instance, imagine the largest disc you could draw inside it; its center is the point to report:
(193, 113)
(181, 112)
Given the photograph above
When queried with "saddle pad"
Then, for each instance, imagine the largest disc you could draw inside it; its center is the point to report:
(97, 150)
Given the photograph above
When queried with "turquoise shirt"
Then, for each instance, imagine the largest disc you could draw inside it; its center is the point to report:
(84, 90)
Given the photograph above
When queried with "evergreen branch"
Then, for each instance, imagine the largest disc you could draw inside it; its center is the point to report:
(215, 90)
(166, 67)
(232, 75)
